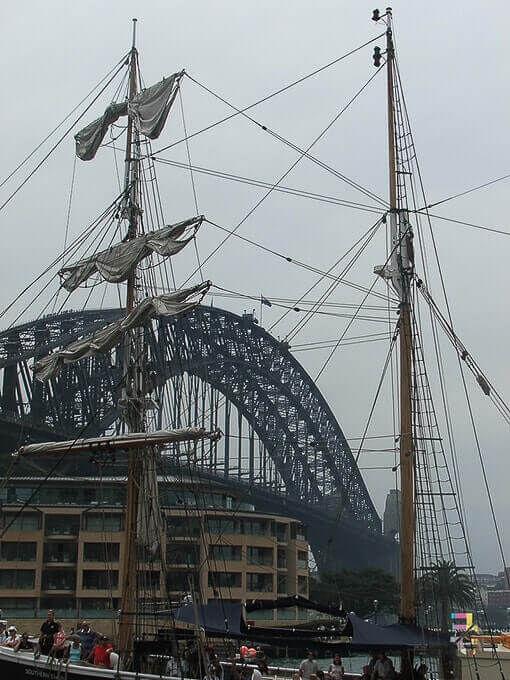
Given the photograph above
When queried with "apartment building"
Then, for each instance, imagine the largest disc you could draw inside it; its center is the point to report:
(63, 550)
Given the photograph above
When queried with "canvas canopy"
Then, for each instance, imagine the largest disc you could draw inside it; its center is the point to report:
(106, 338)
(149, 110)
(296, 601)
(216, 618)
(115, 263)
(227, 620)
(397, 636)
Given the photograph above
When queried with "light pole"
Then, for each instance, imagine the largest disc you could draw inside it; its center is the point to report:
(376, 605)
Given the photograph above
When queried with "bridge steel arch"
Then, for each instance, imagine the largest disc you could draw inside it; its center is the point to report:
(318, 479)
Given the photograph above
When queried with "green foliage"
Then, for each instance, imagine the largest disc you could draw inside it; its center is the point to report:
(448, 586)
(357, 590)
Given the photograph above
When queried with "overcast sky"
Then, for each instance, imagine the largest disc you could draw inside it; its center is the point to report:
(454, 65)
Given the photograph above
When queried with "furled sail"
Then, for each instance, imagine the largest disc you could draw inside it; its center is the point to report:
(149, 110)
(117, 262)
(129, 440)
(89, 139)
(104, 339)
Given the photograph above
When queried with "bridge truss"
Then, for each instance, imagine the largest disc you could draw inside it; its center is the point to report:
(217, 369)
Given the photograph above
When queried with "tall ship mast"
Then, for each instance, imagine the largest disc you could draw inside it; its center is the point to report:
(399, 272)
(131, 248)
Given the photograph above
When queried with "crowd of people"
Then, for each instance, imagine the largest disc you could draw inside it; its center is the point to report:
(86, 645)
(380, 667)
(82, 645)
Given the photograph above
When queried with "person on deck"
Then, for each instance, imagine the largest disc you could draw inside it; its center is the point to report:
(371, 663)
(308, 667)
(211, 673)
(383, 668)
(367, 673)
(75, 650)
(336, 670)
(12, 638)
(59, 642)
(3, 631)
(258, 671)
(87, 638)
(100, 654)
(420, 672)
(48, 630)
(172, 667)
(23, 643)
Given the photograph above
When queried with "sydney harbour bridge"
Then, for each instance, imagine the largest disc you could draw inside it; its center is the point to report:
(282, 444)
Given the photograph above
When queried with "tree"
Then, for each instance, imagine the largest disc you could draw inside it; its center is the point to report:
(448, 586)
(357, 590)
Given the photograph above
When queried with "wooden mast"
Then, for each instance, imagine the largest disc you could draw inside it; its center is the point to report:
(128, 585)
(399, 271)
(405, 336)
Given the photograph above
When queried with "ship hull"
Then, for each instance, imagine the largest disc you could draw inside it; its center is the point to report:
(23, 666)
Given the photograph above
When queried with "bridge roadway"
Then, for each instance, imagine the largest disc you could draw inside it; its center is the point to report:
(304, 467)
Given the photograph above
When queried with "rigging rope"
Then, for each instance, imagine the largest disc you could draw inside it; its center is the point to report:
(467, 191)
(58, 142)
(287, 172)
(292, 191)
(324, 274)
(274, 94)
(13, 172)
(299, 150)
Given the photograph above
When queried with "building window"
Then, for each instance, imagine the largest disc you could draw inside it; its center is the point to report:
(58, 579)
(183, 526)
(302, 585)
(20, 604)
(148, 580)
(282, 532)
(260, 556)
(282, 558)
(298, 532)
(259, 583)
(179, 581)
(182, 553)
(220, 525)
(59, 604)
(72, 495)
(255, 527)
(25, 521)
(225, 553)
(17, 579)
(148, 555)
(60, 552)
(62, 525)
(282, 583)
(99, 604)
(224, 579)
(101, 552)
(302, 559)
(95, 579)
(103, 522)
(18, 551)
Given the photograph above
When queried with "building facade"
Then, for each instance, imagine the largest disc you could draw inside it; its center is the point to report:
(63, 550)
(498, 598)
